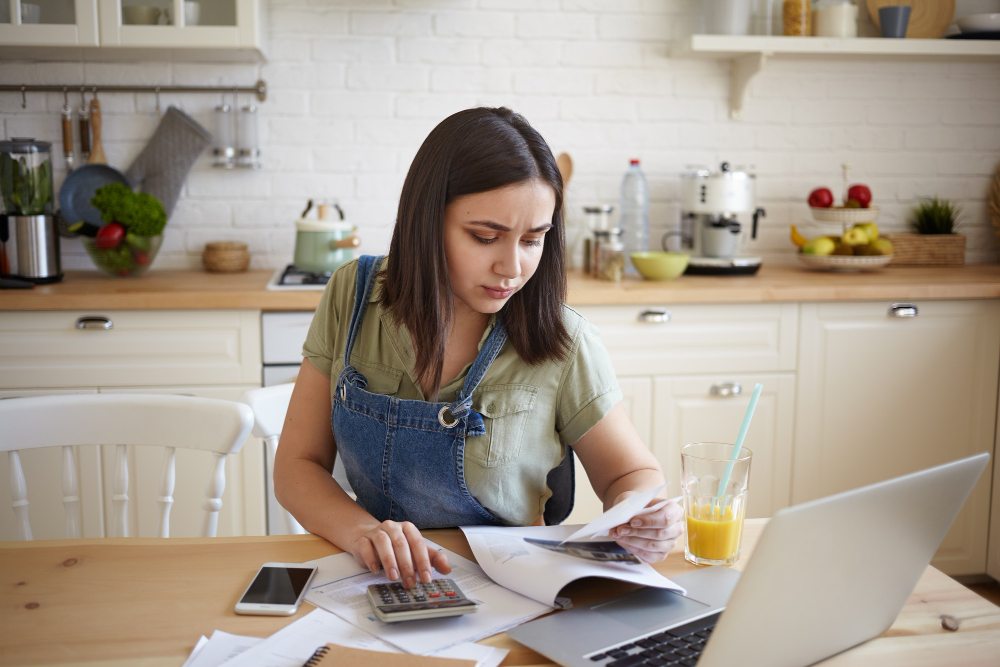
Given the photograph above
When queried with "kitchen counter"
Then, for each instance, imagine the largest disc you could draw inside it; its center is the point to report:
(165, 290)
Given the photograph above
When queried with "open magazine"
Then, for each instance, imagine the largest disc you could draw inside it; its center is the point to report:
(536, 561)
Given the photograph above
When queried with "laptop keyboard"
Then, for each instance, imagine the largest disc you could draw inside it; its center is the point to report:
(681, 645)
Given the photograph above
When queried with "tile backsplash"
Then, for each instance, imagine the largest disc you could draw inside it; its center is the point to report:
(354, 87)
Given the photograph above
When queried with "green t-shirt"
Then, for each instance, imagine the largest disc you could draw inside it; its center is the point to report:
(531, 412)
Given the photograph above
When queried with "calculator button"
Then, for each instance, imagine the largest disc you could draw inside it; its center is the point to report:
(451, 593)
(435, 595)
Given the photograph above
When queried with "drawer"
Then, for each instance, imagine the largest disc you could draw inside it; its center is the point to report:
(653, 340)
(283, 335)
(147, 348)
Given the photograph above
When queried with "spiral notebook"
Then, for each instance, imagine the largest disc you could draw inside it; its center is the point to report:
(345, 656)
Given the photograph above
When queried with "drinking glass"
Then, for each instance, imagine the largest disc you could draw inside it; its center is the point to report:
(714, 518)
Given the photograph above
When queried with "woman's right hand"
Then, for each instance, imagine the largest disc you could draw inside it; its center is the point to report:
(400, 549)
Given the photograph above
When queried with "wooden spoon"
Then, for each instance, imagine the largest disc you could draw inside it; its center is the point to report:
(565, 164)
(97, 149)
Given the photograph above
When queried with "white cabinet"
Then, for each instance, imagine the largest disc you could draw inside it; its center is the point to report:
(881, 395)
(203, 28)
(214, 354)
(691, 359)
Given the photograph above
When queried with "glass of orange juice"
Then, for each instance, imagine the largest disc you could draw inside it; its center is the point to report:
(714, 516)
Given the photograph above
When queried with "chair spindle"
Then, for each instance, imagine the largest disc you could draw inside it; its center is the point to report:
(71, 492)
(213, 496)
(120, 497)
(166, 498)
(19, 492)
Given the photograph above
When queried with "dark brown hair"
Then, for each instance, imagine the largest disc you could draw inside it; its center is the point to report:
(473, 151)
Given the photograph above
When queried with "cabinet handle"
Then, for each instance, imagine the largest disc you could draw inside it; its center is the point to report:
(657, 316)
(903, 310)
(95, 322)
(726, 389)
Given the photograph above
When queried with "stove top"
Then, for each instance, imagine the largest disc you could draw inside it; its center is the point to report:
(291, 278)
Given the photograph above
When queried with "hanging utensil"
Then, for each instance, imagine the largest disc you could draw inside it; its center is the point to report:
(565, 164)
(97, 152)
(84, 113)
(67, 131)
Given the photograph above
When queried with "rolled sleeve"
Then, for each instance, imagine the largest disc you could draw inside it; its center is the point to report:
(589, 389)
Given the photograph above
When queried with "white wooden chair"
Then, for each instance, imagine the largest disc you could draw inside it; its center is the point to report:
(207, 424)
(269, 406)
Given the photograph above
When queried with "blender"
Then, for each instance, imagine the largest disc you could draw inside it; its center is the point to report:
(711, 232)
(29, 238)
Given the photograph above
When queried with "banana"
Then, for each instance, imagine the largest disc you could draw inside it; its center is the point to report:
(798, 239)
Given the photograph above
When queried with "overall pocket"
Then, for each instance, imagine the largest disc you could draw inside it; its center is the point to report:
(505, 409)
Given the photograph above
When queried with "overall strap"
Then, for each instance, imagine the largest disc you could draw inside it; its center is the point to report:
(463, 402)
(368, 266)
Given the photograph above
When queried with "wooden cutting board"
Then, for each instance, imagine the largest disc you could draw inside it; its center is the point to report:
(929, 19)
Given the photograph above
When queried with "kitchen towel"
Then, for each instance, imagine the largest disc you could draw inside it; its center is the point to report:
(164, 163)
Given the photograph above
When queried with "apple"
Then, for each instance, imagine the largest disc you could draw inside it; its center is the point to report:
(820, 245)
(109, 236)
(861, 194)
(821, 198)
(854, 236)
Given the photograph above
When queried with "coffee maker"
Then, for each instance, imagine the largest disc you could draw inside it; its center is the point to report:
(711, 231)
(29, 239)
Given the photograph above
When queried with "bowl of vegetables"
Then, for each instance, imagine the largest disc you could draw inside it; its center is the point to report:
(132, 233)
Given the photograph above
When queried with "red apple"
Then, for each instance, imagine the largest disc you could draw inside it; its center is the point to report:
(861, 193)
(821, 198)
(109, 236)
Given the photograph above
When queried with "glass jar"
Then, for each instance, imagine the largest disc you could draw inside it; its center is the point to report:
(610, 264)
(796, 16)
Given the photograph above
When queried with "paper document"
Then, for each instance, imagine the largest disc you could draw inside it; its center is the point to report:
(621, 513)
(539, 572)
(340, 586)
(221, 648)
(194, 652)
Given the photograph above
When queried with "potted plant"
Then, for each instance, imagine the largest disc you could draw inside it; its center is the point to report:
(934, 241)
(132, 233)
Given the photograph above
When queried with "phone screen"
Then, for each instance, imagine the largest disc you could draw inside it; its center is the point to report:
(277, 585)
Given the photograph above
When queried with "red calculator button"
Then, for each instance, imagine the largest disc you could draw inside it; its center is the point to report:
(451, 594)
(434, 595)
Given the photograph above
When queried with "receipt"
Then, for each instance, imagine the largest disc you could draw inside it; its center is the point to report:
(621, 513)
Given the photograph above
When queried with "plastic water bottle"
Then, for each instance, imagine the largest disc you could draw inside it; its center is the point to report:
(634, 217)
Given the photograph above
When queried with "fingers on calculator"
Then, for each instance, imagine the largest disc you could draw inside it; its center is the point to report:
(438, 598)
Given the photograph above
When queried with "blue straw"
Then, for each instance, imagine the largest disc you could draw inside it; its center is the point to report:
(739, 440)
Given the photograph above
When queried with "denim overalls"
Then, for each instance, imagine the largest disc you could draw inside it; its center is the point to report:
(405, 459)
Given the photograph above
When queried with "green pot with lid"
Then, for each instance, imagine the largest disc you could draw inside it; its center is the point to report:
(322, 246)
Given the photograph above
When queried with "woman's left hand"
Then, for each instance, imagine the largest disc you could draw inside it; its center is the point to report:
(650, 536)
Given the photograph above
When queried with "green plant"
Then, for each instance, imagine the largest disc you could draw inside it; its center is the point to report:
(140, 213)
(935, 216)
(26, 190)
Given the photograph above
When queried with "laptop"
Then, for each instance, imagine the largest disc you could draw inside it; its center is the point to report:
(826, 575)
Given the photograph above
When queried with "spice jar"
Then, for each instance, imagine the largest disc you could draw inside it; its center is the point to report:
(610, 263)
(796, 17)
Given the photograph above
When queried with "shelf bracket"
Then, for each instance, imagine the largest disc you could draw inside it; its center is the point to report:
(745, 68)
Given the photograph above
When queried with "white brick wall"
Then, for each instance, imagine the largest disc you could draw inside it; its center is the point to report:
(355, 86)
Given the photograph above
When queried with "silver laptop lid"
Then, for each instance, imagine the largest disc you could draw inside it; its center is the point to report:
(832, 573)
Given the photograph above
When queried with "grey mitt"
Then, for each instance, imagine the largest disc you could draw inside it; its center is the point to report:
(164, 163)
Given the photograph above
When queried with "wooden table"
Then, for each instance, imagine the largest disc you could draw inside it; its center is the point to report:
(144, 601)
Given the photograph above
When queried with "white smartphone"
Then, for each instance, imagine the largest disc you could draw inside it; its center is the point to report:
(277, 590)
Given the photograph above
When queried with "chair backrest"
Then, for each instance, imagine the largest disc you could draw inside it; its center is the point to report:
(269, 406)
(211, 425)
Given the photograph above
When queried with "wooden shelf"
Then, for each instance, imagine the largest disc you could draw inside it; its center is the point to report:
(750, 53)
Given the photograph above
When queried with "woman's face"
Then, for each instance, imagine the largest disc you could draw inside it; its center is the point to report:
(493, 242)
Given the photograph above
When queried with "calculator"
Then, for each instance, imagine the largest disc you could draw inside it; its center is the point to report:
(437, 599)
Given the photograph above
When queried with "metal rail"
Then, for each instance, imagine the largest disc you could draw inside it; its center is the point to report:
(259, 89)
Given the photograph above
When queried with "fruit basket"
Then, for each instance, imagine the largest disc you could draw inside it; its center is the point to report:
(844, 262)
(841, 215)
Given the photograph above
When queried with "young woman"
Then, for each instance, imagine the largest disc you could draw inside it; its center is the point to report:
(450, 376)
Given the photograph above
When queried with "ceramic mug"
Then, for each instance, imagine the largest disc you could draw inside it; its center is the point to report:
(192, 12)
(140, 15)
(720, 241)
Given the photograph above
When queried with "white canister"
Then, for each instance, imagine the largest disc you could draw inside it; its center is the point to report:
(837, 20)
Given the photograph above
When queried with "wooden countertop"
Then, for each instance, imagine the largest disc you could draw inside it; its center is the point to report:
(166, 290)
(128, 601)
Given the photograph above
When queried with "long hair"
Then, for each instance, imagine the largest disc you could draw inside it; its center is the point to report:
(472, 151)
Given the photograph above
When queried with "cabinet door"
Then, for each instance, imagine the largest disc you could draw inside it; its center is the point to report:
(215, 24)
(43, 475)
(243, 510)
(706, 408)
(880, 396)
(48, 23)
(636, 399)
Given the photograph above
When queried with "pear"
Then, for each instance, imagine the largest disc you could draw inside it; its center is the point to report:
(870, 229)
(820, 245)
(854, 236)
(882, 246)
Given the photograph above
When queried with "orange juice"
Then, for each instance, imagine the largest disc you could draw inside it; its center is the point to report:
(713, 534)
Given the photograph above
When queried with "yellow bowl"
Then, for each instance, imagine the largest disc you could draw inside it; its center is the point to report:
(660, 265)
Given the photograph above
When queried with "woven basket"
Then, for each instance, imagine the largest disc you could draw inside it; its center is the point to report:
(927, 249)
(225, 257)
